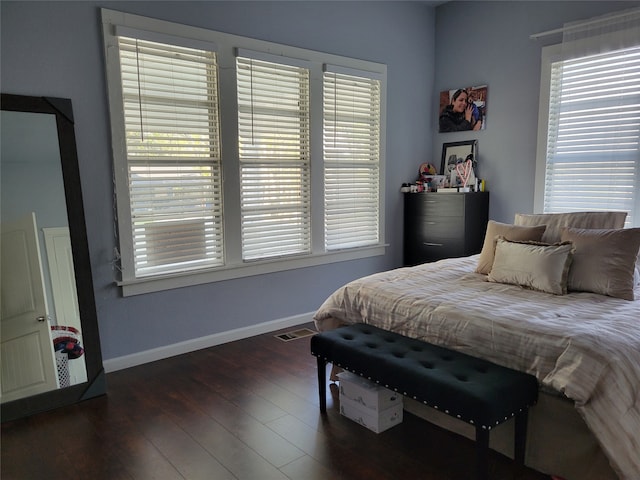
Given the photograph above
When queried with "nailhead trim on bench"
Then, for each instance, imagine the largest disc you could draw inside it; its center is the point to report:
(436, 407)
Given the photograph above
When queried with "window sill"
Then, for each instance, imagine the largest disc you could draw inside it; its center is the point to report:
(167, 282)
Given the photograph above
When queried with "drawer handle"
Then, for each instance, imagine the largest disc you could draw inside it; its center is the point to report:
(429, 244)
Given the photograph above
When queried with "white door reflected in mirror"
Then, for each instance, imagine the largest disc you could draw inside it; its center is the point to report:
(28, 360)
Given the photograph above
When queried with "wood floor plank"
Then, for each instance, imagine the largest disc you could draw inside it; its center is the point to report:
(237, 456)
(187, 456)
(238, 420)
(121, 429)
(307, 468)
(196, 400)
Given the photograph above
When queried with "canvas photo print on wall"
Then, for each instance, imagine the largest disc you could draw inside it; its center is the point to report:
(463, 109)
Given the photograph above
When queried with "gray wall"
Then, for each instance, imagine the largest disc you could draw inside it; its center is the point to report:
(55, 48)
(487, 43)
(31, 179)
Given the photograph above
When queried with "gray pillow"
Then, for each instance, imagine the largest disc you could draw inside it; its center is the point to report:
(604, 260)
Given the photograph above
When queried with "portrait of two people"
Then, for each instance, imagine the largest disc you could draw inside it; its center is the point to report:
(463, 109)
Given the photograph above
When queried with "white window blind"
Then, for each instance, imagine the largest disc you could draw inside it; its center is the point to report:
(170, 96)
(593, 156)
(274, 156)
(351, 160)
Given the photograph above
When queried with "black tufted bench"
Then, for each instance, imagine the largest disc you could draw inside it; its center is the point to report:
(471, 389)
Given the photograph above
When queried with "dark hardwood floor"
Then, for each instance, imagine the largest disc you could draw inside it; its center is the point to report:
(242, 410)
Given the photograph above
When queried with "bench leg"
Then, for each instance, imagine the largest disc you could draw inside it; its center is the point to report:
(520, 440)
(482, 454)
(322, 383)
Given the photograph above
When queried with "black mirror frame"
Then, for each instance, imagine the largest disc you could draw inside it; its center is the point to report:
(96, 384)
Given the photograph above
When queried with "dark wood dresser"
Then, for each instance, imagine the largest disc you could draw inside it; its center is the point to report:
(443, 225)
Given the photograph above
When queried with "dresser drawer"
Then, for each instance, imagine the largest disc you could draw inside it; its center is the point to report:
(435, 228)
(434, 239)
(431, 251)
(433, 204)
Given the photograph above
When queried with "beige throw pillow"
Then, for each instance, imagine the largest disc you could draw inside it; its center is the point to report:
(533, 265)
(555, 222)
(604, 261)
(509, 232)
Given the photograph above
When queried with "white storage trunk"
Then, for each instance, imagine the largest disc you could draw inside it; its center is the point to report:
(367, 393)
(376, 421)
(369, 404)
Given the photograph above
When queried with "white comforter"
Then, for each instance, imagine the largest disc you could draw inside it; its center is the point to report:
(584, 345)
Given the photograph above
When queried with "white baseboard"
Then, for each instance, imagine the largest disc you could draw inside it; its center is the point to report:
(126, 361)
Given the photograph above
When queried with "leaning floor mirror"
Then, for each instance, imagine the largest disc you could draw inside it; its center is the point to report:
(50, 346)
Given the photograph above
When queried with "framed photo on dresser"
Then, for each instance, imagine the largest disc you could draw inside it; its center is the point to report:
(457, 152)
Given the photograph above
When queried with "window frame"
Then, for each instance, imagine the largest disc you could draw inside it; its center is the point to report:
(550, 55)
(288, 162)
(226, 46)
(350, 87)
(145, 104)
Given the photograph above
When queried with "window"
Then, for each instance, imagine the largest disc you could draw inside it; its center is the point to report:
(273, 137)
(170, 106)
(351, 159)
(237, 157)
(591, 160)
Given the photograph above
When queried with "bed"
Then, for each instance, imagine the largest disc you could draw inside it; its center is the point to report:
(582, 344)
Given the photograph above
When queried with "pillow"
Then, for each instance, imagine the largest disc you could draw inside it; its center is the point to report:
(604, 261)
(509, 232)
(556, 221)
(534, 265)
